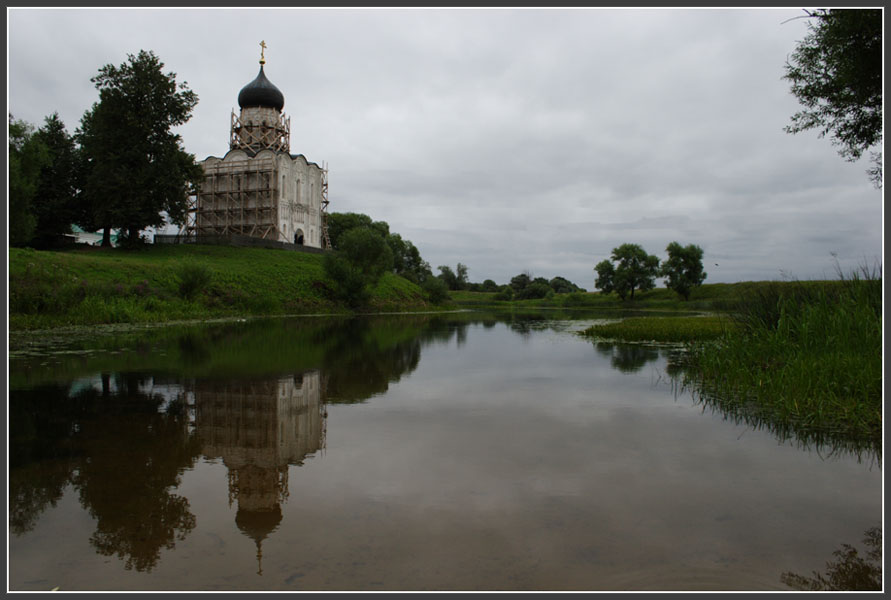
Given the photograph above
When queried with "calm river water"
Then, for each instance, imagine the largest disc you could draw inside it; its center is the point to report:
(466, 451)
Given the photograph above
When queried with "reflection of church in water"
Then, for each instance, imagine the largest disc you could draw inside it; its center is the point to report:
(259, 428)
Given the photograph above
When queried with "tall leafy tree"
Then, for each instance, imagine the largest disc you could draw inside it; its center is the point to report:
(461, 276)
(836, 74)
(368, 251)
(340, 223)
(407, 260)
(489, 285)
(683, 270)
(606, 275)
(561, 285)
(634, 269)
(519, 282)
(448, 276)
(28, 155)
(56, 204)
(135, 166)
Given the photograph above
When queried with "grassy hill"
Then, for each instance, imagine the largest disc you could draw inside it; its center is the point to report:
(89, 285)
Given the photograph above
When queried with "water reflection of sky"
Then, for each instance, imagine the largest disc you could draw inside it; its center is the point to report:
(502, 458)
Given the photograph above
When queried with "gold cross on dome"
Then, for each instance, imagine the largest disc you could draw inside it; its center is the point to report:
(262, 52)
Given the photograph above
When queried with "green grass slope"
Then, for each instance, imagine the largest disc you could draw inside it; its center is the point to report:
(97, 285)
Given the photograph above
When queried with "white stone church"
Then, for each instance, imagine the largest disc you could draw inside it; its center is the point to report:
(259, 189)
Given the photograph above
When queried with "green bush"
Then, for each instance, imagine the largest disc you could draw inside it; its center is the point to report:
(359, 263)
(350, 284)
(505, 294)
(436, 289)
(534, 291)
(192, 278)
(367, 251)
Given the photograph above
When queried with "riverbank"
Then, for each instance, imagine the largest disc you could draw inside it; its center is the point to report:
(808, 356)
(92, 286)
(805, 356)
(714, 297)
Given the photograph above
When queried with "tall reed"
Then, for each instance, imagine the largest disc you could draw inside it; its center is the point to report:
(809, 355)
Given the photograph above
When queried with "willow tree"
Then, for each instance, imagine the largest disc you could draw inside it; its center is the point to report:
(135, 168)
(634, 270)
(836, 74)
(683, 269)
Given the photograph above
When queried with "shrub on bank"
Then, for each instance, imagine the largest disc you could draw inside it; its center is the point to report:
(436, 289)
(192, 278)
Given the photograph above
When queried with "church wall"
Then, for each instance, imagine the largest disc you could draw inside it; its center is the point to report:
(300, 196)
(271, 195)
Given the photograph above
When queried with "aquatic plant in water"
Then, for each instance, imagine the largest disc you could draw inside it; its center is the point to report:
(850, 572)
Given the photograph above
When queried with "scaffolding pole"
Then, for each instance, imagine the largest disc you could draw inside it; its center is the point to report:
(325, 237)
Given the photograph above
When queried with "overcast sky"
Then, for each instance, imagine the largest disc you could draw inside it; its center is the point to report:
(508, 140)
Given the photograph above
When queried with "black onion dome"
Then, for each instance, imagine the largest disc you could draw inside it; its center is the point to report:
(261, 93)
(257, 524)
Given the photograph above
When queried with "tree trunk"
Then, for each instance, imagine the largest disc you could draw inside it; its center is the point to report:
(106, 237)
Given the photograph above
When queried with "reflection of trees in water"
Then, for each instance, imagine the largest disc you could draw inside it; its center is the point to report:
(441, 329)
(122, 453)
(133, 456)
(362, 357)
(41, 455)
(627, 358)
(524, 324)
(32, 489)
(849, 572)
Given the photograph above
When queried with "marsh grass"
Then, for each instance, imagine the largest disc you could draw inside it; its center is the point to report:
(808, 354)
(803, 358)
(663, 329)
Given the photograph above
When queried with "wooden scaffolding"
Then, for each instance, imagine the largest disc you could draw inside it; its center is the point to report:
(273, 136)
(326, 241)
(238, 198)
